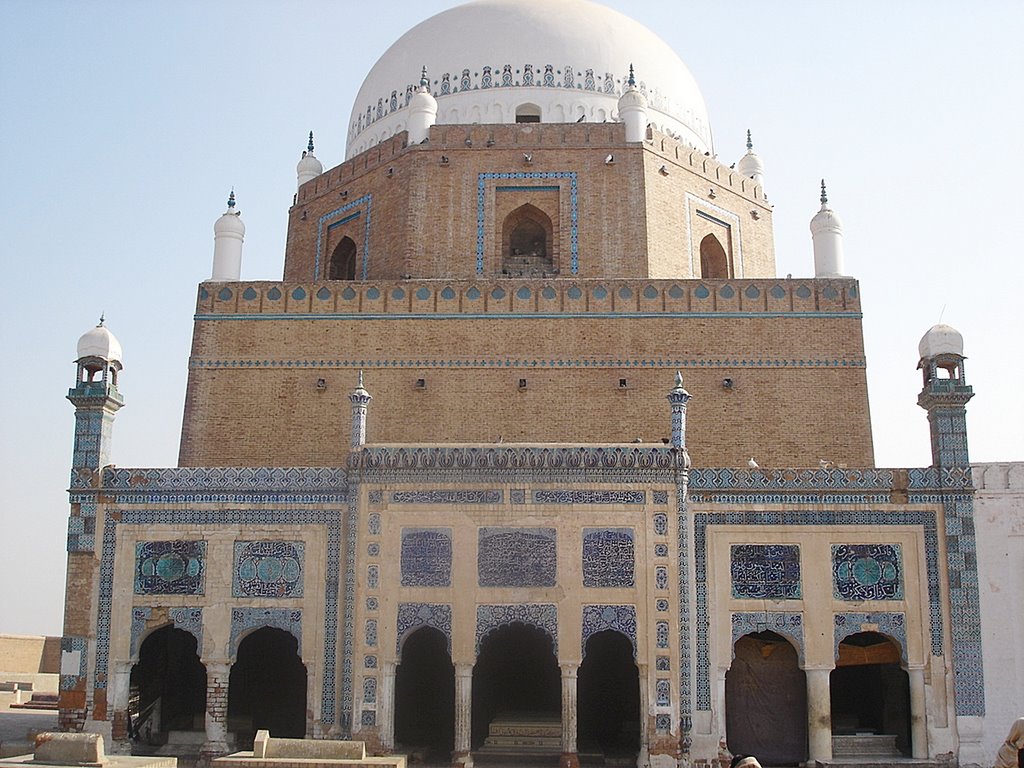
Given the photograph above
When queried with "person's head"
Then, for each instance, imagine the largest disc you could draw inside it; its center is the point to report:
(745, 761)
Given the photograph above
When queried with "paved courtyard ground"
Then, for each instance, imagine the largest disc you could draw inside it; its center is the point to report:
(18, 727)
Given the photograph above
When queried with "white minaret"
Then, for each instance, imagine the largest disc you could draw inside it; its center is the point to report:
(422, 111)
(750, 164)
(309, 167)
(228, 234)
(633, 110)
(827, 234)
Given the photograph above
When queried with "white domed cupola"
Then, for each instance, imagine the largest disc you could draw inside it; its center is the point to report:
(228, 235)
(422, 111)
(633, 109)
(309, 167)
(750, 165)
(503, 61)
(99, 353)
(827, 235)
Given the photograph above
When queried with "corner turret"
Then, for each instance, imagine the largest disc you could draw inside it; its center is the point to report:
(422, 111)
(95, 397)
(228, 234)
(827, 235)
(309, 167)
(750, 165)
(633, 110)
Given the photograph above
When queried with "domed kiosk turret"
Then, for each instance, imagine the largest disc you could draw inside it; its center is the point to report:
(422, 111)
(750, 165)
(633, 110)
(827, 235)
(308, 168)
(228, 234)
(95, 396)
(945, 393)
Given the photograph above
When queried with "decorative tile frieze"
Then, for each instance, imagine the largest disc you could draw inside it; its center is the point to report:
(461, 496)
(790, 625)
(426, 559)
(246, 620)
(275, 480)
(597, 618)
(542, 616)
(170, 567)
(412, 616)
(867, 572)
(765, 571)
(268, 569)
(569, 496)
(824, 479)
(608, 559)
(516, 557)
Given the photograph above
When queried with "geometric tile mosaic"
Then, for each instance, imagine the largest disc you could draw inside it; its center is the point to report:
(867, 572)
(607, 557)
(188, 619)
(789, 624)
(245, 620)
(169, 567)
(892, 624)
(516, 557)
(765, 571)
(267, 569)
(426, 559)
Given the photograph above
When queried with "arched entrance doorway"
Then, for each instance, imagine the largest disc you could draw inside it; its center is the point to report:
(267, 687)
(425, 696)
(608, 698)
(870, 692)
(342, 265)
(714, 263)
(527, 243)
(516, 676)
(766, 700)
(169, 684)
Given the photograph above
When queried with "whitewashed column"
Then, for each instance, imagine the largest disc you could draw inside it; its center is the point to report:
(119, 691)
(819, 714)
(386, 704)
(463, 715)
(918, 721)
(569, 719)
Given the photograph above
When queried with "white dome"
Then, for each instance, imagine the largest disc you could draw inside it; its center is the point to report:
(941, 339)
(569, 57)
(826, 220)
(99, 342)
(230, 222)
(750, 165)
(309, 166)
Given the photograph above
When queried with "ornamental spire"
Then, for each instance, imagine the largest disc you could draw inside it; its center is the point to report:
(824, 195)
(231, 199)
(309, 147)
(750, 144)
(424, 81)
(632, 78)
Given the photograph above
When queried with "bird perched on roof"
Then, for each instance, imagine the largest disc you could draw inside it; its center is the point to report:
(752, 464)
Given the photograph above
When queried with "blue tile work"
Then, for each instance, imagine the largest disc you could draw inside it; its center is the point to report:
(368, 718)
(370, 661)
(82, 523)
(372, 604)
(517, 496)
(701, 520)
(79, 645)
(426, 559)
(364, 205)
(660, 497)
(188, 619)
(373, 576)
(329, 519)
(765, 571)
(373, 524)
(867, 572)
(369, 690)
(608, 559)
(661, 550)
(663, 663)
(170, 567)
(661, 577)
(568, 496)
(684, 622)
(268, 569)
(661, 634)
(376, 496)
(661, 605)
(964, 606)
(727, 478)
(481, 196)
(370, 632)
(663, 693)
(483, 496)
(542, 616)
(597, 618)
(412, 616)
(790, 625)
(261, 485)
(246, 620)
(663, 723)
(517, 557)
(660, 521)
(892, 624)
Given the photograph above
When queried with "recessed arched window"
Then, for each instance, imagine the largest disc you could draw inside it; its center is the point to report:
(527, 243)
(527, 113)
(713, 260)
(342, 265)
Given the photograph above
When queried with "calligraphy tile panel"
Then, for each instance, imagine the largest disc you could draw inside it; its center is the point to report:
(765, 571)
(267, 569)
(867, 571)
(608, 557)
(170, 567)
(517, 557)
(426, 557)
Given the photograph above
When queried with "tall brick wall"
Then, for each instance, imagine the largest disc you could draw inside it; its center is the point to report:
(794, 354)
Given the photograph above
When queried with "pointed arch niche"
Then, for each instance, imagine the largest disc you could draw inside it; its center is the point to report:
(528, 245)
(714, 261)
(342, 264)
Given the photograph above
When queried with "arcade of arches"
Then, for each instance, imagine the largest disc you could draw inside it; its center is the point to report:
(767, 699)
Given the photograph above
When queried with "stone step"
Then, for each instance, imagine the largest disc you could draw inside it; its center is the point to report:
(865, 745)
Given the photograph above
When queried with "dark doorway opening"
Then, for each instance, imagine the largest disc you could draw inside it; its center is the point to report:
(425, 696)
(267, 687)
(169, 686)
(516, 674)
(608, 698)
(766, 701)
(342, 265)
(870, 692)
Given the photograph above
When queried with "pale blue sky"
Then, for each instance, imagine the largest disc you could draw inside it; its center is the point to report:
(123, 125)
